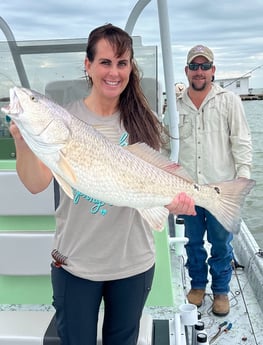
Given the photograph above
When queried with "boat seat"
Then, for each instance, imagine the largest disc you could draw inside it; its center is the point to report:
(25, 253)
(32, 204)
(38, 328)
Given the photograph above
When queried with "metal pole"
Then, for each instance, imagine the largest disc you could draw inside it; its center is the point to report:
(15, 53)
(136, 11)
(169, 77)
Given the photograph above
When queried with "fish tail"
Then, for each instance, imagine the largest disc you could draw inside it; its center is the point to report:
(231, 197)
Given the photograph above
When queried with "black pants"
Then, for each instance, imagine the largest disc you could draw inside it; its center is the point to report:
(77, 303)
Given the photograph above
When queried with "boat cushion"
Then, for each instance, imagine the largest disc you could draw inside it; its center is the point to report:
(25, 253)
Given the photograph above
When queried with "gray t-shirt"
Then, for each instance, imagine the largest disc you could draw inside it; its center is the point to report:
(99, 241)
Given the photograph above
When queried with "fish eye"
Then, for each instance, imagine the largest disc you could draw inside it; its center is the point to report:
(33, 98)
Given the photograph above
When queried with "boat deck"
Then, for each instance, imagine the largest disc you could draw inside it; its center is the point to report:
(245, 313)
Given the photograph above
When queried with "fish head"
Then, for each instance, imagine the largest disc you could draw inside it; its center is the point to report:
(39, 119)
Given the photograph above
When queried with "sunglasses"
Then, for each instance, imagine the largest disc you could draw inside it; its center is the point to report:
(204, 66)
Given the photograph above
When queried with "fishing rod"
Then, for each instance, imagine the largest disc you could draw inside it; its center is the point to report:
(233, 81)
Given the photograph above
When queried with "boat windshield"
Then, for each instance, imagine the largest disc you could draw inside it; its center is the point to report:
(35, 64)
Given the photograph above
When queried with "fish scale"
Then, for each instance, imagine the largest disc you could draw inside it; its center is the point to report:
(87, 159)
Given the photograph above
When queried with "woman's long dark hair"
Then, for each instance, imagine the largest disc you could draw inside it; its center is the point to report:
(136, 115)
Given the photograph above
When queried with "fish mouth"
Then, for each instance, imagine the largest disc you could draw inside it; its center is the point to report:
(14, 108)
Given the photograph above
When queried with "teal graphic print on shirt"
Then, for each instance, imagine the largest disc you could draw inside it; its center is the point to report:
(124, 139)
(98, 206)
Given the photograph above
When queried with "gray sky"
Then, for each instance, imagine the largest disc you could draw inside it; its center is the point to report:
(233, 29)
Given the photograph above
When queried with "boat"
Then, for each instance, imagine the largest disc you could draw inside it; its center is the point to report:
(27, 221)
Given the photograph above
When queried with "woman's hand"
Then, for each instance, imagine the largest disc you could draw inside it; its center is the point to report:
(182, 204)
(13, 129)
(19, 140)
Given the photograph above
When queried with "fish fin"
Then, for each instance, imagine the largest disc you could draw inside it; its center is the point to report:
(179, 171)
(156, 217)
(155, 158)
(230, 202)
(111, 133)
(64, 185)
(66, 168)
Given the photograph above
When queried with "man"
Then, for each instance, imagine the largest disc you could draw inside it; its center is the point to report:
(215, 145)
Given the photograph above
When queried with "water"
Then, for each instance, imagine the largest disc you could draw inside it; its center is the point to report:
(253, 208)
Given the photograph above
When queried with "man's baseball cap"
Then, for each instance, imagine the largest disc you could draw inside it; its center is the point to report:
(200, 50)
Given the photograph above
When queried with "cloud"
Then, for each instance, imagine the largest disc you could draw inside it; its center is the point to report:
(233, 30)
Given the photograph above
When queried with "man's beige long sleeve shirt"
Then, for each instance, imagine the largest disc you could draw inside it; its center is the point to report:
(215, 140)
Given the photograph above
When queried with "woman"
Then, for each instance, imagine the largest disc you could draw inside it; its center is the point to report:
(102, 252)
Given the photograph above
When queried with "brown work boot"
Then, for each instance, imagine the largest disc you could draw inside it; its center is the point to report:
(196, 296)
(220, 305)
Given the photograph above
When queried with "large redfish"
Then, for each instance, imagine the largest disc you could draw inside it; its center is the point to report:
(88, 160)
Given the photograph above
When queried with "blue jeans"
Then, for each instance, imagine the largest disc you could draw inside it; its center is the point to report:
(77, 302)
(221, 254)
